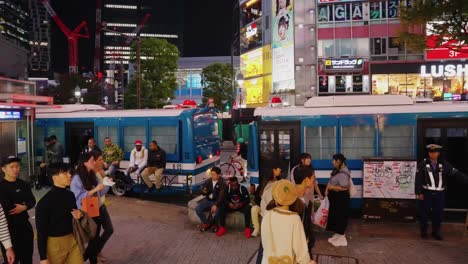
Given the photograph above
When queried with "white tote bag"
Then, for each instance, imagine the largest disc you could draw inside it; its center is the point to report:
(321, 216)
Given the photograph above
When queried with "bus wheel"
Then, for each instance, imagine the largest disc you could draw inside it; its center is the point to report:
(119, 188)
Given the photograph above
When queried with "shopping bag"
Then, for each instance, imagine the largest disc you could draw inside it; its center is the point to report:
(321, 216)
(91, 206)
(352, 188)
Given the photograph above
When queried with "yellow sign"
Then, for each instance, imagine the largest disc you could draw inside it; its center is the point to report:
(256, 62)
(254, 90)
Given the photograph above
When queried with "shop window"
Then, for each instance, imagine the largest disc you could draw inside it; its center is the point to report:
(323, 84)
(357, 141)
(340, 86)
(132, 133)
(250, 11)
(166, 136)
(361, 47)
(320, 142)
(326, 48)
(378, 46)
(395, 47)
(357, 83)
(344, 47)
(397, 141)
(107, 131)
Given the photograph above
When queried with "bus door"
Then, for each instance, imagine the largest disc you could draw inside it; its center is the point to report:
(76, 138)
(452, 134)
(279, 141)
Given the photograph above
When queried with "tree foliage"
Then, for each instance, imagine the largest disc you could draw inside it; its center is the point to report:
(64, 93)
(159, 67)
(217, 84)
(447, 19)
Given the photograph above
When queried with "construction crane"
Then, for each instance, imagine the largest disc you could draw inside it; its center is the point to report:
(72, 37)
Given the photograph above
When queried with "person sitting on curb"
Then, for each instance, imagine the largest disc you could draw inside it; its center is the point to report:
(138, 158)
(237, 199)
(215, 191)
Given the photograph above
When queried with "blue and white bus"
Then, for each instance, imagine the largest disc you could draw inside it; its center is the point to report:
(359, 127)
(189, 137)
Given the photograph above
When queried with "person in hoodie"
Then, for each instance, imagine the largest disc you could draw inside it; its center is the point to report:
(138, 158)
(338, 195)
(237, 199)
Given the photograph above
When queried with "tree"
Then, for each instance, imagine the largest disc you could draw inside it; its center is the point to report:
(64, 93)
(217, 84)
(159, 67)
(446, 19)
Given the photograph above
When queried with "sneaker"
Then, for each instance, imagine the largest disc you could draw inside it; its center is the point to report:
(214, 228)
(204, 227)
(255, 233)
(340, 241)
(333, 238)
(247, 232)
(221, 231)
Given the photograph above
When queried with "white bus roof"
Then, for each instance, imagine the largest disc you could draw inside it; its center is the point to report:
(359, 108)
(89, 111)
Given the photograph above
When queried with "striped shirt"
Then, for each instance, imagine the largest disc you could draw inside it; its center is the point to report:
(4, 233)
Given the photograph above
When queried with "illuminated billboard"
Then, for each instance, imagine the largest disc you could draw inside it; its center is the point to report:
(251, 37)
(336, 1)
(257, 90)
(283, 44)
(250, 11)
(256, 62)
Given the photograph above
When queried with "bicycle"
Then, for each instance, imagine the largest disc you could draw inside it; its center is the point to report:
(229, 169)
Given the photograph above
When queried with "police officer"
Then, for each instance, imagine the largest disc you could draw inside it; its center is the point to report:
(431, 182)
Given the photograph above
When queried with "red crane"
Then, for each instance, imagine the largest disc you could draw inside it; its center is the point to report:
(72, 37)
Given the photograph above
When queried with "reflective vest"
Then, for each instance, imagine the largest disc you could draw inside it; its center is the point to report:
(431, 185)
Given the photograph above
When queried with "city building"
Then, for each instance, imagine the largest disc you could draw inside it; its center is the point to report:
(189, 77)
(39, 39)
(123, 17)
(14, 59)
(14, 22)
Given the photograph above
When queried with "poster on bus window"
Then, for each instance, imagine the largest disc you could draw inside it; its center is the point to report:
(283, 42)
(393, 179)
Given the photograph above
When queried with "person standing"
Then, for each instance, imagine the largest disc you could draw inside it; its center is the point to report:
(138, 158)
(86, 184)
(5, 238)
(306, 160)
(55, 150)
(16, 198)
(54, 216)
(112, 155)
(431, 180)
(241, 156)
(91, 146)
(156, 164)
(338, 194)
(43, 179)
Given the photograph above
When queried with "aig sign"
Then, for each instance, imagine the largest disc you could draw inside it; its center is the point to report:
(343, 64)
(447, 70)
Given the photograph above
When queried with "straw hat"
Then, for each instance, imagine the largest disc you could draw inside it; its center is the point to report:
(284, 192)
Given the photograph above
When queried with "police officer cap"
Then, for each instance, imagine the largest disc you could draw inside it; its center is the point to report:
(433, 147)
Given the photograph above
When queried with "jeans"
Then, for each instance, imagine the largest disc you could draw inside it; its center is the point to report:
(106, 226)
(111, 170)
(205, 206)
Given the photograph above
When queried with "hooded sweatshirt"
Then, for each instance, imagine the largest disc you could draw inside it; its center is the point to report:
(139, 158)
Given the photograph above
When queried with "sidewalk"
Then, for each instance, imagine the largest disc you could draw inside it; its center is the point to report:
(149, 232)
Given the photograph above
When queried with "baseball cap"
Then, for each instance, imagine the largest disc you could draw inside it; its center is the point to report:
(10, 159)
(138, 142)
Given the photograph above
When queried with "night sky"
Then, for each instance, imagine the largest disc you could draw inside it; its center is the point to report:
(207, 26)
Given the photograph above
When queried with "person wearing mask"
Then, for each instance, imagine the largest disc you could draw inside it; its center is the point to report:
(214, 189)
(431, 180)
(16, 198)
(112, 155)
(237, 200)
(108, 228)
(306, 160)
(91, 146)
(5, 238)
(55, 150)
(338, 195)
(283, 236)
(54, 216)
(304, 178)
(156, 164)
(138, 158)
(86, 184)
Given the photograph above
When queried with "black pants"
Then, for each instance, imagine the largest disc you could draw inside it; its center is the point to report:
(22, 238)
(434, 202)
(260, 253)
(91, 251)
(246, 211)
(43, 179)
(107, 227)
(338, 212)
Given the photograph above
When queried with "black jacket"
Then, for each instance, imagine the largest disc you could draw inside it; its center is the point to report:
(423, 178)
(157, 158)
(241, 196)
(218, 192)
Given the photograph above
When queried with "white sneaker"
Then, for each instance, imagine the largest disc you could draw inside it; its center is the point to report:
(340, 241)
(255, 233)
(333, 238)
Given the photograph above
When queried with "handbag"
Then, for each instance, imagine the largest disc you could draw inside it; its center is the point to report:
(352, 188)
(321, 216)
(91, 206)
(285, 259)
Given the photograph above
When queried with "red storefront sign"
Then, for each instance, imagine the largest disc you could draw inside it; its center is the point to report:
(448, 50)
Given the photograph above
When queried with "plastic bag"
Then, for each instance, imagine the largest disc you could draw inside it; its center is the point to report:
(321, 216)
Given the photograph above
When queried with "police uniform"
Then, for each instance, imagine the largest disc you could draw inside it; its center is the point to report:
(431, 182)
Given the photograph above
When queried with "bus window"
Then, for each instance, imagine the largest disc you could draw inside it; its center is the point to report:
(107, 131)
(397, 141)
(59, 132)
(357, 141)
(132, 133)
(205, 126)
(320, 142)
(166, 136)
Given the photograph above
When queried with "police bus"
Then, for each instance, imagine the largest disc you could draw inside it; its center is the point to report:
(189, 137)
(359, 126)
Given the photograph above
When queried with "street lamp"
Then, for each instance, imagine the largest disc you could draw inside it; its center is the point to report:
(240, 81)
(78, 94)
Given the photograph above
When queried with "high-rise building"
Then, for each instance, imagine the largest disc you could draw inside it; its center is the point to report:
(14, 22)
(39, 40)
(124, 16)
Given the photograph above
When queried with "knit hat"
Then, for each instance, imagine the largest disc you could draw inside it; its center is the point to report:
(284, 192)
(138, 142)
